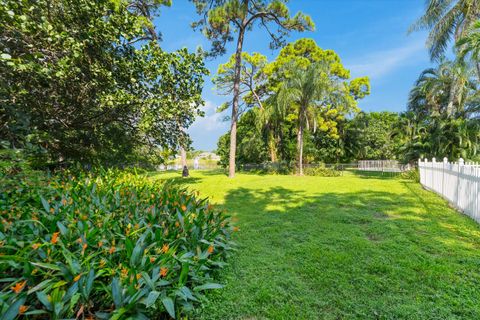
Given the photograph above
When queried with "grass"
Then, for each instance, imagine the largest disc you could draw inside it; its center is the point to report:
(350, 247)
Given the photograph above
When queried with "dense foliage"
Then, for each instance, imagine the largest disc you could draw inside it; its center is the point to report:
(223, 20)
(87, 81)
(305, 90)
(111, 245)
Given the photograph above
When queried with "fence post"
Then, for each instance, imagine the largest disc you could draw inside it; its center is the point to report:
(445, 161)
(461, 162)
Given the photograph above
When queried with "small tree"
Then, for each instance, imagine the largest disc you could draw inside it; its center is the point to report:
(221, 20)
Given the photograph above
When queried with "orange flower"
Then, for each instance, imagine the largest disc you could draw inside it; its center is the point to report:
(112, 249)
(19, 286)
(163, 271)
(22, 309)
(35, 246)
(64, 202)
(165, 248)
(184, 208)
(55, 237)
(100, 243)
(235, 229)
(152, 259)
(52, 210)
(124, 272)
(210, 249)
(138, 276)
(84, 247)
(79, 240)
(177, 224)
(77, 278)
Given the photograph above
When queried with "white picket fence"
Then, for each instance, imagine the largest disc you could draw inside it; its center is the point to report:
(382, 166)
(458, 182)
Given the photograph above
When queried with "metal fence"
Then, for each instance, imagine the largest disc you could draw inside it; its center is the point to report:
(458, 182)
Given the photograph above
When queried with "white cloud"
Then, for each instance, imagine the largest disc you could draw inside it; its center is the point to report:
(212, 121)
(381, 63)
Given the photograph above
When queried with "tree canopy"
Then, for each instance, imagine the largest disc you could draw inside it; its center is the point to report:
(85, 81)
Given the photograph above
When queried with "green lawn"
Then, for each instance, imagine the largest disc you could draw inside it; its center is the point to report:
(342, 248)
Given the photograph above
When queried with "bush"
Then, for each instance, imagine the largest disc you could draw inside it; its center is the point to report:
(412, 174)
(112, 245)
(321, 171)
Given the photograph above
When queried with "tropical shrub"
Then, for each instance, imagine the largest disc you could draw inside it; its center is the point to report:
(321, 171)
(110, 245)
(412, 174)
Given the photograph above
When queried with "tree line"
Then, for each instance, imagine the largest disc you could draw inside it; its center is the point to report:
(300, 108)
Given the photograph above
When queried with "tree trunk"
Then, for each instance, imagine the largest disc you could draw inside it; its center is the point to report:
(272, 146)
(183, 156)
(300, 142)
(451, 97)
(236, 97)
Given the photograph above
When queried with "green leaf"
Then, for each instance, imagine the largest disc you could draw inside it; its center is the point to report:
(184, 274)
(152, 298)
(45, 204)
(62, 228)
(46, 265)
(208, 286)
(117, 293)
(169, 306)
(40, 286)
(13, 310)
(136, 254)
(43, 298)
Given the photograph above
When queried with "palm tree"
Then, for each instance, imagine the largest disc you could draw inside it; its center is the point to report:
(445, 89)
(310, 90)
(470, 45)
(444, 19)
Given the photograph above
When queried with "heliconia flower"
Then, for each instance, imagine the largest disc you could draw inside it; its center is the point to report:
(210, 249)
(165, 248)
(152, 259)
(184, 208)
(35, 246)
(52, 210)
(163, 271)
(100, 243)
(55, 237)
(64, 201)
(22, 309)
(112, 249)
(77, 278)
(177, 224)
(18, 287)
(138, 276)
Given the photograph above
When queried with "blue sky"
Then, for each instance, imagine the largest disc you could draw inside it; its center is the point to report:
(369, 35)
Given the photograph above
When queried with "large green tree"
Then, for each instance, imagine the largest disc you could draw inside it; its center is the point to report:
(317, 84)
(223, 20)
(86, 81)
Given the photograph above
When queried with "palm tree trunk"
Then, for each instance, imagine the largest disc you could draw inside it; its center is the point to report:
(236, 97)
(300, 141)
(451, 97)
(271, 146)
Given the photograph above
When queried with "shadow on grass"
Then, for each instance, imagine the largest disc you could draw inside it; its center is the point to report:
(374, 174)
(366, 254)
